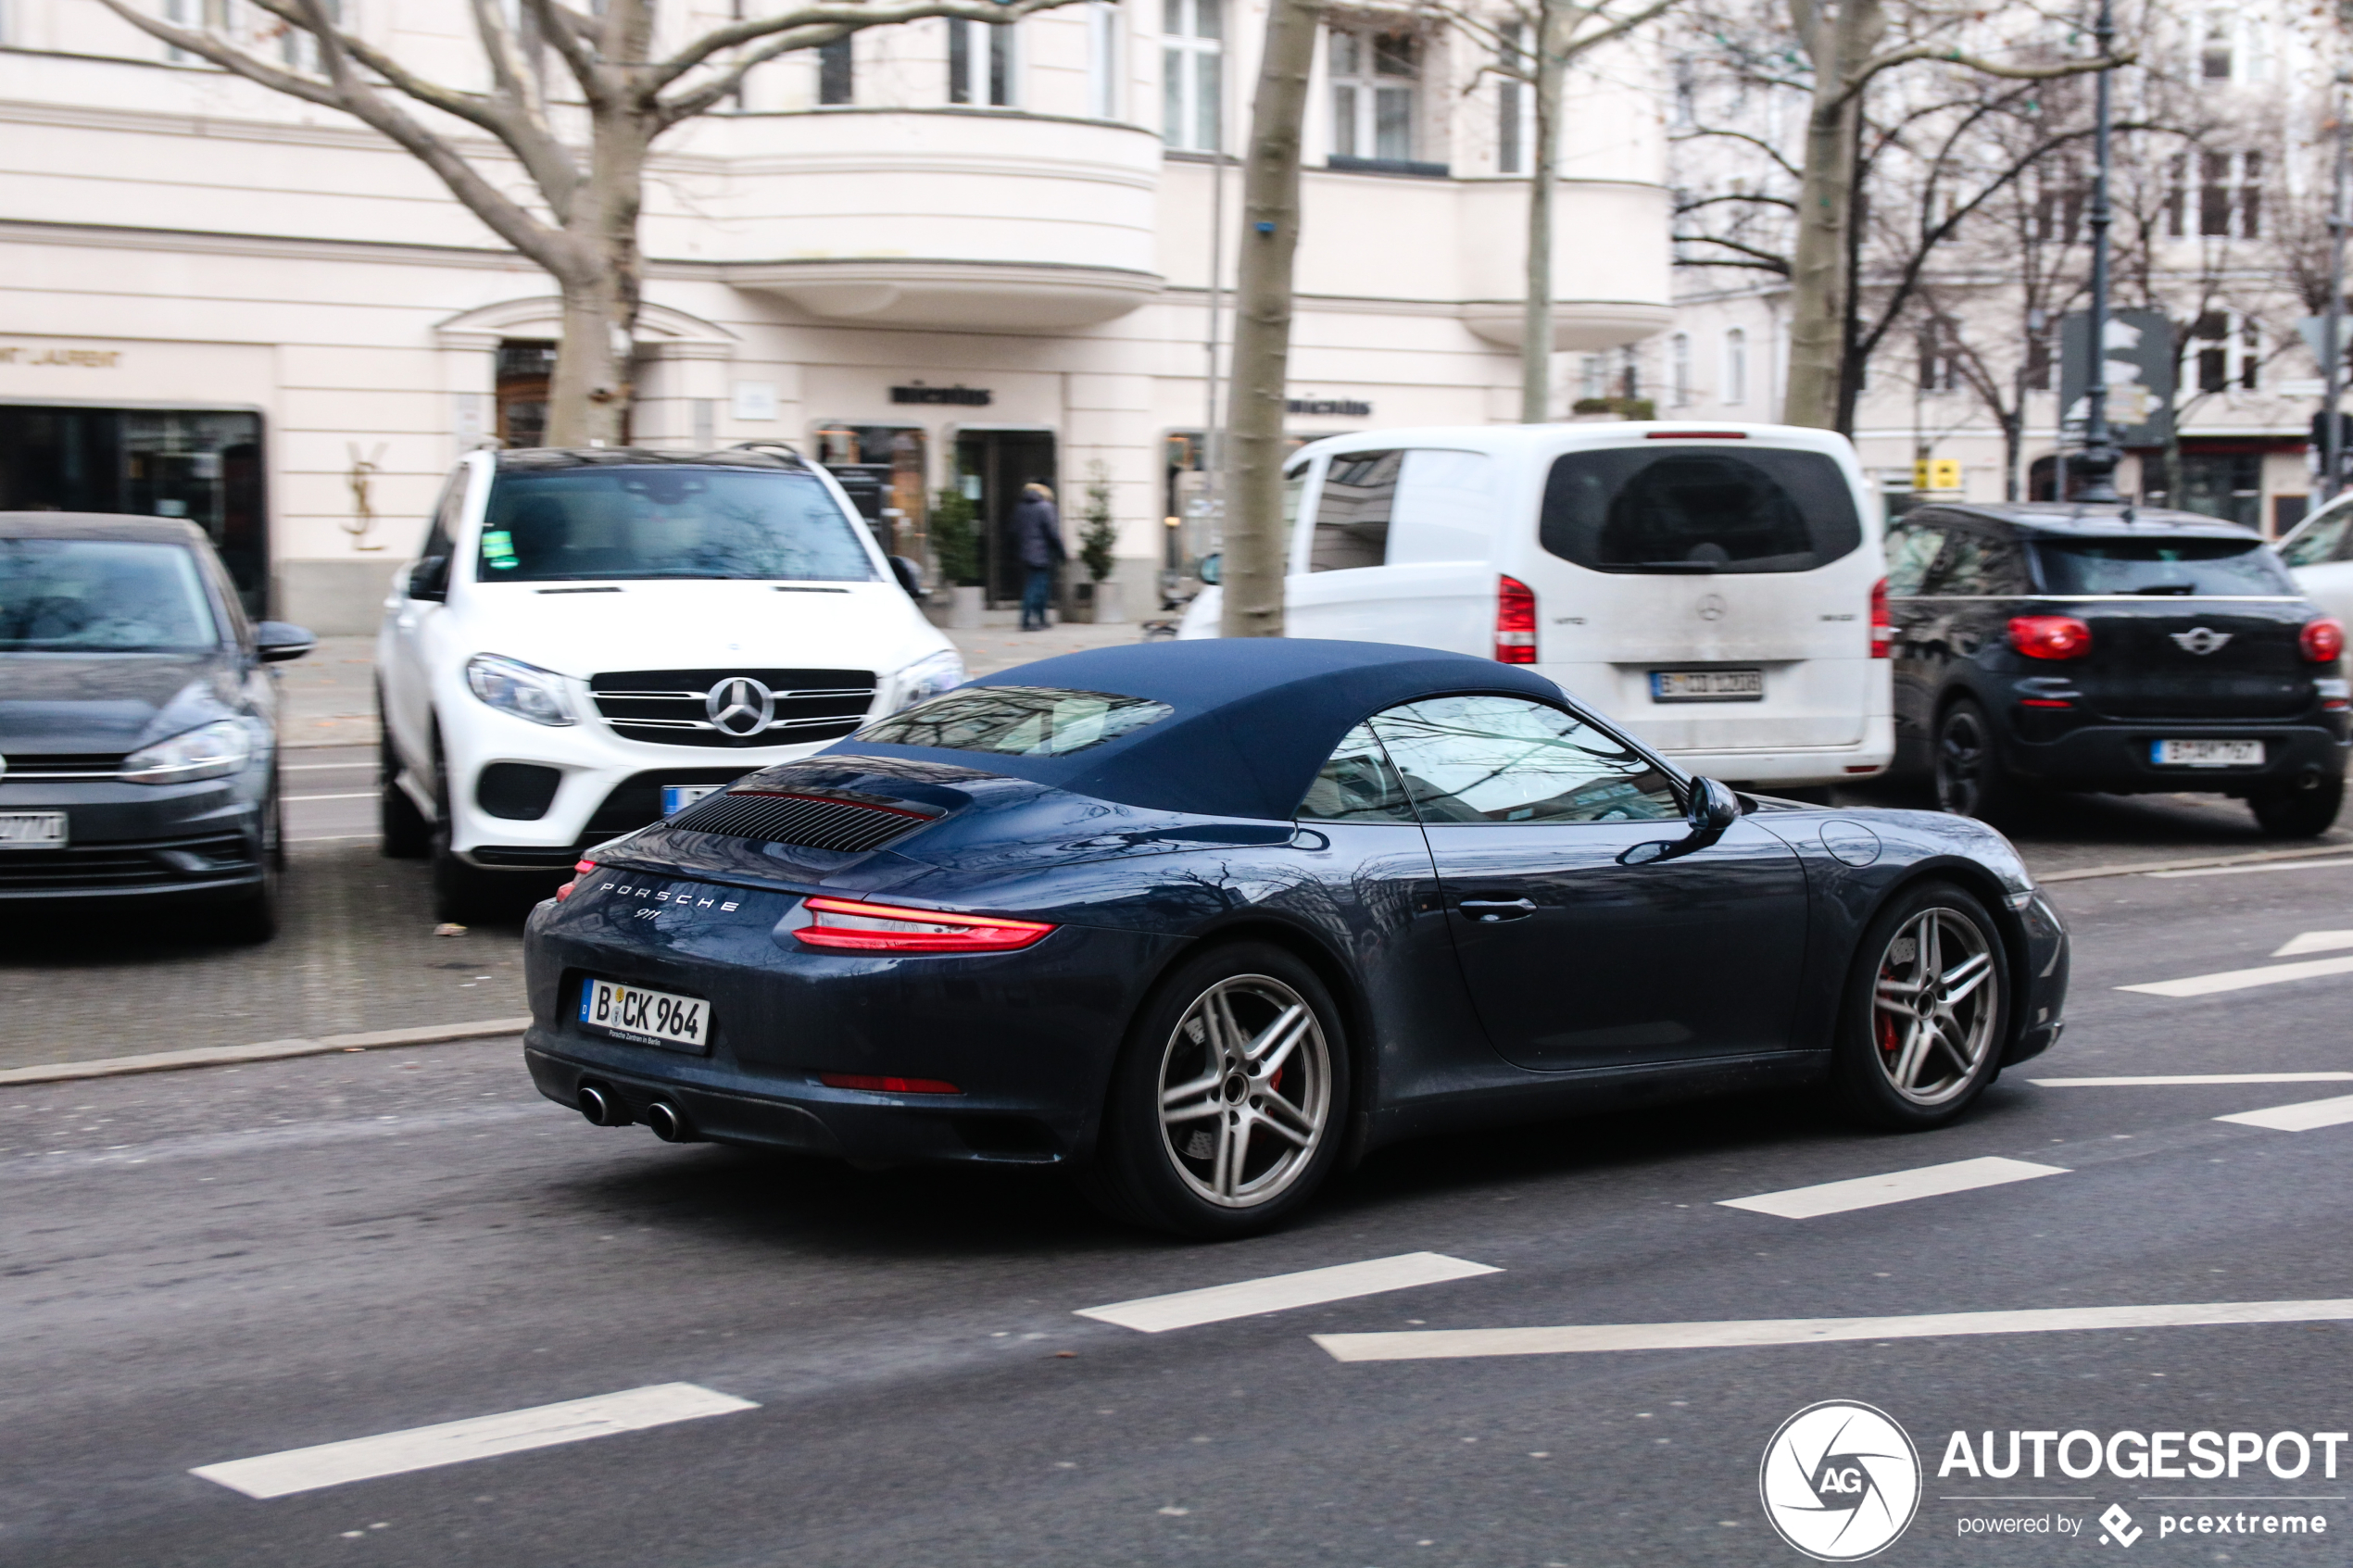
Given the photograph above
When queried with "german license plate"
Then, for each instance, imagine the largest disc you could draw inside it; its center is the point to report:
(2206, 753)
(32, 830)
(1708, 685)
(645, 1018)
(677, 797)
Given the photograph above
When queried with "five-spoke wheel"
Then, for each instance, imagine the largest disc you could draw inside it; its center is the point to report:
(1924, 1027)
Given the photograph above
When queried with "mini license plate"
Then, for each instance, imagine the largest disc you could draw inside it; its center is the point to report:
(32, 830)
(1708, 685)
(677, 797)
(2206, 753)
(647, 1018)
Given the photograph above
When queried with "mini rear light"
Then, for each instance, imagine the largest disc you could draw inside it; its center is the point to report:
(2050, 636)
(1882, 627)
(845, 925)
(1515, 622)
(579, 870)
(883, 1086)
(2322, 641)
(1697, 435)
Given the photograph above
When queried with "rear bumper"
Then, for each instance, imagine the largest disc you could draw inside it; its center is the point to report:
(1795, 766)
(2116, 757)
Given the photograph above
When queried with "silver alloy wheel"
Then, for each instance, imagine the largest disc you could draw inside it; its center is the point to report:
(1936, 1006)
(1245, 1091)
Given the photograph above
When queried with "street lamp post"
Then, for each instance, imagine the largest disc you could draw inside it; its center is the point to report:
(2096, 462)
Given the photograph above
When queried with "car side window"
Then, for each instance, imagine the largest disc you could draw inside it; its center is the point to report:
(1977, 566)
(1352, 515)
(2324, 537)
(1357, 785)
(1911, 551)
(443, 530)
(1507, 761)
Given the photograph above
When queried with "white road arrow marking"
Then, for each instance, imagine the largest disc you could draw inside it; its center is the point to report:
(2316, 942)
(1310, 1287)
(1895, 1186)
(2241, 979)
(2300, 1118)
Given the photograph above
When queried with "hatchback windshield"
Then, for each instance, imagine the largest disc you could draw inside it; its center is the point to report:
(665, 521)
(2159, 567)
(101, 595)
(1698, 509)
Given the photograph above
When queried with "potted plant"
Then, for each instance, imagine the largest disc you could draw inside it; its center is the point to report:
(955, 540)
(1099, 601)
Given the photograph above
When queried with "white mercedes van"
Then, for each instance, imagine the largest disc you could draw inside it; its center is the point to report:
(1718, 589)
(594, 639)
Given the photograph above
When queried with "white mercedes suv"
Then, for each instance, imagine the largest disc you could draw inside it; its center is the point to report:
(592, 639)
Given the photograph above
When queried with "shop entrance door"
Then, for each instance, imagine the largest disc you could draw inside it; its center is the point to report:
(991, 467)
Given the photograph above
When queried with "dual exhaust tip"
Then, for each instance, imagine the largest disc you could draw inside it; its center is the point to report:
(604, 1108)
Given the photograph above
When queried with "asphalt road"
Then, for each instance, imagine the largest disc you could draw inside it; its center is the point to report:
(213, 1266)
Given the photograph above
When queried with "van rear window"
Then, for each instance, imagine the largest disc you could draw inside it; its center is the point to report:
(1688, 508)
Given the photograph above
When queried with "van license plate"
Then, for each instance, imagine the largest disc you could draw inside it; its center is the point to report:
(677, 797)
(32, 830)
(2206, 753)
(1708, 685)
(645, 1018)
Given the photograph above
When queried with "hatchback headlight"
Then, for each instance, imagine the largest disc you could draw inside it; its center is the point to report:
(926, 678)
(208, 751)
(525, 690)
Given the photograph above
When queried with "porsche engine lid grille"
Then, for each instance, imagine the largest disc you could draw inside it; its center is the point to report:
(733, 707)
(815, 821)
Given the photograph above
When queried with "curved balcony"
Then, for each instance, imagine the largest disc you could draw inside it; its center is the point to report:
(970, 218)
(1610, 262)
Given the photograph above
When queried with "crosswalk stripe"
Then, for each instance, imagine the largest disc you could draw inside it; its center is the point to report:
(481, 1436)
(1420, 1345)
(2302, 1117)
(2241, 979)
(1310, 1287)
(1895, 1186)
(2176, 1079)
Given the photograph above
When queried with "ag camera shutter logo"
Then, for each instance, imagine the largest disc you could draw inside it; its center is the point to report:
(1841, 1481)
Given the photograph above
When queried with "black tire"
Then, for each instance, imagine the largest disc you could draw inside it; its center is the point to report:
(253, 916)
(1971, 778)
(2299, 813)
(1887, 1064)
(402, 833)
(463, 894)
(1169, 1175)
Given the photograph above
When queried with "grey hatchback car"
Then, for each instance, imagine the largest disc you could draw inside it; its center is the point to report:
(138, 727)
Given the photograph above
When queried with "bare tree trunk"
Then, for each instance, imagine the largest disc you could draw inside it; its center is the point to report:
(1535, 326)
(1819, 278)
(589, 393)
(1251, 572)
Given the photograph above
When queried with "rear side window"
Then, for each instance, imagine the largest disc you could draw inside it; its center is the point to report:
(1352, 516)
(1698, 510)
(2161, 566)
(1018, 720)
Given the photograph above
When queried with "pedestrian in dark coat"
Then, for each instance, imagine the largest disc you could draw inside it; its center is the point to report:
(1037, 534)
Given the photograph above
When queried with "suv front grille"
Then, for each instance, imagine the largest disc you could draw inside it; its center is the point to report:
(734, 708)
(815, 821)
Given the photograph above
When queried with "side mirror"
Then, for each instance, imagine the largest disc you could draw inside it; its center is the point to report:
(1713, 810)
(429, 579)
(277, 641)
(910, 575)
(1211, 566)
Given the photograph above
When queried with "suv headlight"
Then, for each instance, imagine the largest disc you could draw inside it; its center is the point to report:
(525, 690)
(208, 751)
(926, 678)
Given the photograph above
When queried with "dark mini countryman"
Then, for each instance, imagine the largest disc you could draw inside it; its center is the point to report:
(2110, 649)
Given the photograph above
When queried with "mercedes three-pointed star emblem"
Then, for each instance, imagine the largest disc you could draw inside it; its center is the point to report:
(740, 705)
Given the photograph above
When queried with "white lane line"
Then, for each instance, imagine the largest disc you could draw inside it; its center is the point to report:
(1443, 1344)
(2242, 871)
(2240, 979)
(454, 1442)
(2299, 1117)
(2315, 942)
(326, 767)
(362, 794)
(1895, 1186)
(2173, 1080)
(1157, 1314)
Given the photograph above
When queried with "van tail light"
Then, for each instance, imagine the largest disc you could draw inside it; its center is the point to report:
(1882, 628)
(845, 925)
(2050, 636)
(579, 870)
(1514, 623)
(2322, 641)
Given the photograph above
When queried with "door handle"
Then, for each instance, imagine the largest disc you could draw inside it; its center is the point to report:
(1489, 910)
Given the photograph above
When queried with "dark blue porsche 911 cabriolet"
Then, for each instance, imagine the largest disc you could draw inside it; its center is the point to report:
(1204, 920)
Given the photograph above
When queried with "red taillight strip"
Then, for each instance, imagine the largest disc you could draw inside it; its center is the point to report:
(873, 1084)
(833, 800)
(951, 934)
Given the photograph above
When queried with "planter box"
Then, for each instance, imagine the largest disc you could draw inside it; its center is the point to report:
(1097, 603)
(964, 609)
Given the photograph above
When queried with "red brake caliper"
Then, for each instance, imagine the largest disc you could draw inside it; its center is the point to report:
(1888, 1043)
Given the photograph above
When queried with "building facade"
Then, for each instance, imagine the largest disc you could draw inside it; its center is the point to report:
(945, 259)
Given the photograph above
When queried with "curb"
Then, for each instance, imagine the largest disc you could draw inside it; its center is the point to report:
(266, 1050)
(2254, 858)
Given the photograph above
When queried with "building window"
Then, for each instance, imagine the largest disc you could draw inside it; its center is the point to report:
(1593, 375)
(2041, 360)
(1375, 78)
(1629, 371)
(2230, 352)
(1680, 365)
(1514, 109)
(1939, 359)
(1193, 65)
(981, 63)
(2214, 55)
(834, 71)
(1104, 70)
(2058, 206)
(2229, 196)
(1735, 366)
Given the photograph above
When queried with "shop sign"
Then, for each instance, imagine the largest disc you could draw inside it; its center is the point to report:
(89, 359)
(967, 396)
(1346, 406)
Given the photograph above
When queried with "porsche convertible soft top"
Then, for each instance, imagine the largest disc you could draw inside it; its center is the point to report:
(1247, 721)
